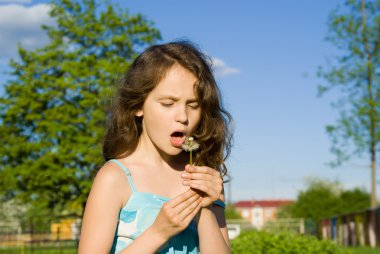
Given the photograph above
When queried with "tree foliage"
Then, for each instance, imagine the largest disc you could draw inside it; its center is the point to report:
(231, 213)
(349, 74)
(53, 110)
(325, 199)
(354, 30)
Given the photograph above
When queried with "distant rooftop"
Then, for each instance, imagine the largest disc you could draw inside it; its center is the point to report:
(262, 203)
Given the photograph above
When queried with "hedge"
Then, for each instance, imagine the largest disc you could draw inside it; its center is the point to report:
(261, 242)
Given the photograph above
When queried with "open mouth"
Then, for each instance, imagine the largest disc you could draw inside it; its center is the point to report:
(177, 138)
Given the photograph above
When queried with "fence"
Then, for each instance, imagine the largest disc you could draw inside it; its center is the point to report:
(40, 236)
(44, 236)
(355, 229)
(288, 225)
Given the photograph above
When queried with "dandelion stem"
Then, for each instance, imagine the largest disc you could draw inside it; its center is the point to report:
(190, 145)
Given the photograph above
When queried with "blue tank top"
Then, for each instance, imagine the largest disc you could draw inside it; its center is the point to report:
(139, 213)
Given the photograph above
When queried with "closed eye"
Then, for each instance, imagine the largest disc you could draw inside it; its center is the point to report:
(166, 104)
(193, 105)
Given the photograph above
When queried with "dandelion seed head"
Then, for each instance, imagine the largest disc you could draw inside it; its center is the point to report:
(190, 144)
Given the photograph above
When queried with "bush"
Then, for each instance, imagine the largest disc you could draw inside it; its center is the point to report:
(255, 242)
(231, 213)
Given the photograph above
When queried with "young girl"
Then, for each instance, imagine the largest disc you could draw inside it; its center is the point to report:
(147, 198)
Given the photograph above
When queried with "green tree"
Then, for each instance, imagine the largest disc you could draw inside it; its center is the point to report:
(285, 212)
(353, 201)
(354, 29)
(231, 212)
(318, 201)
(52, 114)
(324, 199)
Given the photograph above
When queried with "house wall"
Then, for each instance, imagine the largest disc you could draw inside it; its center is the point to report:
(258, 216)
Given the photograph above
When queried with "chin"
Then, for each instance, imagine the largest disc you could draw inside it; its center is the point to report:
(173, 151)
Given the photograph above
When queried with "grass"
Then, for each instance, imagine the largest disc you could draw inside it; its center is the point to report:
(361, 250)
(38, 250)
(60, 248)
(73, 250)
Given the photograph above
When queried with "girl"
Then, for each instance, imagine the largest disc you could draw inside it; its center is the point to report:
(147, 198)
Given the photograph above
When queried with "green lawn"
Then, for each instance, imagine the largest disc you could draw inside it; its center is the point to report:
(362, 250)
(73, 250)
(37, 251)
(56, 248)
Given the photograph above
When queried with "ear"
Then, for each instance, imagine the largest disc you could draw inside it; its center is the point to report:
(139, 113)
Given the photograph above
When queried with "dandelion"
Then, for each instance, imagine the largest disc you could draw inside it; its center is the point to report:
(190, 145)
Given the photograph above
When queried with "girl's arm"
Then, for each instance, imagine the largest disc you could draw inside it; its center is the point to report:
(212, 230)
(102, 210)
(103, 207)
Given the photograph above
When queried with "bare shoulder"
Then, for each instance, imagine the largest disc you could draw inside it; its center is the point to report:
(111, 179)
(110, 173)
(108, 193)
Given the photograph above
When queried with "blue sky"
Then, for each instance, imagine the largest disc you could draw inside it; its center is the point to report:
(266, 55)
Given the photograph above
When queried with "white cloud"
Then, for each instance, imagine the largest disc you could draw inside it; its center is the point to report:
(221, 69)
(20, 24)
(15, 1)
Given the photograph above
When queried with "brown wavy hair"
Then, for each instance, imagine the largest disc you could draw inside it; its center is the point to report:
(214, 131)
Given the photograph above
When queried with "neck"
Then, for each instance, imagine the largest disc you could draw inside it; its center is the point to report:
(158, 158)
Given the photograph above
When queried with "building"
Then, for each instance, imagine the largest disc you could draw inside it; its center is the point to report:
(258, 212)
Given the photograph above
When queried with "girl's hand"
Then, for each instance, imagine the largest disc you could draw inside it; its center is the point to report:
(204, 179)
(176, 214)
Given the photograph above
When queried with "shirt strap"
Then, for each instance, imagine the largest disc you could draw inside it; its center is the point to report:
(127, 172)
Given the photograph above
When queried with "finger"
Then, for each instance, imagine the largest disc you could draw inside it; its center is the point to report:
(201, 182)
(203, 186)
(201, 169)
(181, 198)
(186, 213)
(191, 216)
(185, 204)
(199, 176)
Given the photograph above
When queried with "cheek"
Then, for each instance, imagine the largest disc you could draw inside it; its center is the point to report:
(196, 118)
(156, 113)
(154, 118)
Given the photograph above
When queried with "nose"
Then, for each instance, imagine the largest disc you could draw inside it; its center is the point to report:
(182, 115)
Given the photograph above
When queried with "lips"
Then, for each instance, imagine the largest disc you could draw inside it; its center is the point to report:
(177, 138)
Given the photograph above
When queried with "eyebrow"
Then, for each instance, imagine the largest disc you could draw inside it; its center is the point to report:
(171, 97)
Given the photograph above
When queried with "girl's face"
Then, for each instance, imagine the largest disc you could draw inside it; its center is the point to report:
(171, 111)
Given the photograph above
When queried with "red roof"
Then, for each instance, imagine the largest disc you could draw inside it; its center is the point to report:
(262, 203)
